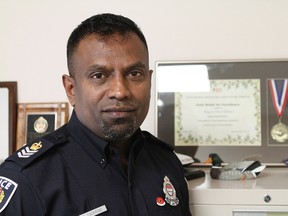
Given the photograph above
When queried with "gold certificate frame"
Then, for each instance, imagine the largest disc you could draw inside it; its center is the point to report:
(38, 119)
(8, 117)
(226, 107)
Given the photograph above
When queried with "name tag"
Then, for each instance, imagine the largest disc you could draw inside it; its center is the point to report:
(96, 211)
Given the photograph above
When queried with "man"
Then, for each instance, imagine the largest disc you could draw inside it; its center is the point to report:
(100, 162)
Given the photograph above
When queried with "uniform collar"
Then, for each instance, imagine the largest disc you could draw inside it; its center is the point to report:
(97, 148)
(94, 146)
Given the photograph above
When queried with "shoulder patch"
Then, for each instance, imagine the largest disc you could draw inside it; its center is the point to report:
(7, 189)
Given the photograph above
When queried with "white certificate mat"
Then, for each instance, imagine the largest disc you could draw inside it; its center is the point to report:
(229, 114)
(4, 126)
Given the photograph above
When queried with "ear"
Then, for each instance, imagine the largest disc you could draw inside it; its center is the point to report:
(69, 85)
(150, 72)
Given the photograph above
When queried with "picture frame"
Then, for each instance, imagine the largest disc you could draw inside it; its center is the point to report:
(180, 113)
(38, 119)
(8, 116)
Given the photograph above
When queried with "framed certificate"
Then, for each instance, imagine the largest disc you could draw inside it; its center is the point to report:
(8, 106)
(233, 108)
(38, 119)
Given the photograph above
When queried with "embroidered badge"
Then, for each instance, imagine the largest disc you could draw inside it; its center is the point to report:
(36, 146)
(7, 189)
(170, 192)
(29, 151)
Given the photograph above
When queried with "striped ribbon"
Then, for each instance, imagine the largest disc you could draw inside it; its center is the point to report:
(279, 95)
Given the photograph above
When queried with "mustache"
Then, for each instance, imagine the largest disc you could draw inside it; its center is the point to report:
(119, 108)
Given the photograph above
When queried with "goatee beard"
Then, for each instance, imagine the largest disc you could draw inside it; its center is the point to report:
(118, 129)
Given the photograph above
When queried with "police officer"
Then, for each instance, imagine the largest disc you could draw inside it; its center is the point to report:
(100, 162)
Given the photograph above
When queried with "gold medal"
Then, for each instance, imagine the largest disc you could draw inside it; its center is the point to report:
(279, 132)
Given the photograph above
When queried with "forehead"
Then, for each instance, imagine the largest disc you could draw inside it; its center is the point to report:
(116, 47)
(130, 40)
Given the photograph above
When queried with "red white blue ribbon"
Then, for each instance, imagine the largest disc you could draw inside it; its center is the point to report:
(279, 95)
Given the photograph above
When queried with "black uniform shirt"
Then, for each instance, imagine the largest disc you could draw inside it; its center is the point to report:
(73, 172)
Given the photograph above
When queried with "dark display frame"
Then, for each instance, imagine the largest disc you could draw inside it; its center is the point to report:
(271, 152)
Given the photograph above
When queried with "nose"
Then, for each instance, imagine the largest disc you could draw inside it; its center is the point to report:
(118, 87)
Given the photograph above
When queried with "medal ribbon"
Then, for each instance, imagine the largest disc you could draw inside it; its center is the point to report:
(279, 95)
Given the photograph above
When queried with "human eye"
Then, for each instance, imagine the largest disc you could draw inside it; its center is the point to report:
(99, 75)
(136, 74)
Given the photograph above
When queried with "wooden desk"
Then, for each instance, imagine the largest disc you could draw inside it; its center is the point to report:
(267, 193)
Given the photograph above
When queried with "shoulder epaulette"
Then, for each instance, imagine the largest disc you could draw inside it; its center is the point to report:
(28, 153)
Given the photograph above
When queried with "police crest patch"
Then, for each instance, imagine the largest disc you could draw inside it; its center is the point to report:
(7, 189)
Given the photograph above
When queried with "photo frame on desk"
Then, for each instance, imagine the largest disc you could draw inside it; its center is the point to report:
(8, 116)
(38, 119)
(224, 107)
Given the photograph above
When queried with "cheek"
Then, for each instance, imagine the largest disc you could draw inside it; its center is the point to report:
(142, 91)
(144, 98)
(85, 95)
(89, 98)
(87, 105)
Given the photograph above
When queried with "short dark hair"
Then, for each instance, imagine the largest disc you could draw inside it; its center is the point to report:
(105, 24)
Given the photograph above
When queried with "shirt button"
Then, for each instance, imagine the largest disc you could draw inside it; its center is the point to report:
(103, 162)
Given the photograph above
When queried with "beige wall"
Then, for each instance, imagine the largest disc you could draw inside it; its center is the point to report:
(33, 36)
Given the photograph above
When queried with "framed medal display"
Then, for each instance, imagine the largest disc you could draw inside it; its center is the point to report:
(233, 108)
(38, 119)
